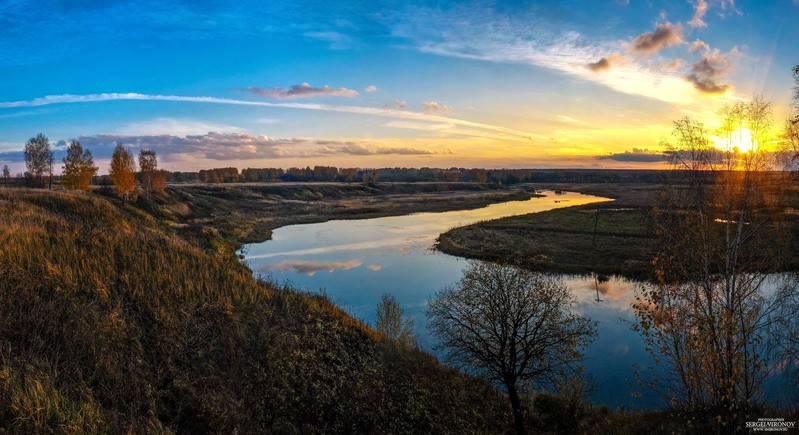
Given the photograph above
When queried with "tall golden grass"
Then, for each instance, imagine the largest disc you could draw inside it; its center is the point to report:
(111, 322)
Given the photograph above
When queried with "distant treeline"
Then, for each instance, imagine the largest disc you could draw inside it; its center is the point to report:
(361, 175)
(504, 177)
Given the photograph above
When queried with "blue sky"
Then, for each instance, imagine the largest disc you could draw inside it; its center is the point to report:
(371, 83)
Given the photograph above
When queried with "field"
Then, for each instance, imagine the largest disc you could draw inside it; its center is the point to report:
(609, 238)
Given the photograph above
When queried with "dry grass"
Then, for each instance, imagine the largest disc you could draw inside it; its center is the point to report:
(112, 322)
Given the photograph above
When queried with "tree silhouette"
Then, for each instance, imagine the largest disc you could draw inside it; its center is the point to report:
(6, 175)
(79, 167)
(510, 326)
(792, 123)
(122, 172)
(38, 158)
(707, 320)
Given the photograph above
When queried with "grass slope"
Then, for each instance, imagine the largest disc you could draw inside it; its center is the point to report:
(112, 322)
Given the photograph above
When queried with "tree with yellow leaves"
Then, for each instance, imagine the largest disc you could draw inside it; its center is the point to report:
(79, 167)
(122, 172)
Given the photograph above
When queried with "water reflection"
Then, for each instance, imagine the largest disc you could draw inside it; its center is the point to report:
(356, 261)
(311, 267)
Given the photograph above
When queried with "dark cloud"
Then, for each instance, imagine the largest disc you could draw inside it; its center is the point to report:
(637, 155)
(301, 91)
(706, 72)
(12, 156)
(213, 145)
(665, 35)
(221, 146)
(604, 63)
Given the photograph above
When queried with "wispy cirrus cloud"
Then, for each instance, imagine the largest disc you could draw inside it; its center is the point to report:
(336, 40)
(302, 91)
(509, 133)
(486, 35)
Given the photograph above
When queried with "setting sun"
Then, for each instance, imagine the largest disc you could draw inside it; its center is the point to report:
(740, 139)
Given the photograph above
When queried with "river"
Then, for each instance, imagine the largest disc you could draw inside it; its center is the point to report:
(355, 261)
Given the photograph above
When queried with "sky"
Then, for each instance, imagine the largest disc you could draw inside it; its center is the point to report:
(578, 84)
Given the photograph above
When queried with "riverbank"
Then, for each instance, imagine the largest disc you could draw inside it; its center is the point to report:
(610, 238)
(248, 212)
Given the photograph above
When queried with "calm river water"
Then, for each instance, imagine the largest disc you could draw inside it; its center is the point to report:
(355, 261)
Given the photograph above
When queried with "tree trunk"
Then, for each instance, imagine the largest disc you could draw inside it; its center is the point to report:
(516, 405)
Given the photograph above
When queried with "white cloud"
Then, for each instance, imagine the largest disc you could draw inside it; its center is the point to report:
(481, 34)
(510, 133)
(370, 88)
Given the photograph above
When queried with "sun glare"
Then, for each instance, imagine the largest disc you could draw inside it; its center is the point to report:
(740, 139)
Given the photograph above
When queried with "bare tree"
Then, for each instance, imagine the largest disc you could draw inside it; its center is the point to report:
(391, 322)
(792, 123)
(707, 319)
(510, 326)
(38, 158)
(148, 165)
(6, 175)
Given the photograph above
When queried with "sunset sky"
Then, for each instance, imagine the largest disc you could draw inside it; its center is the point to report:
(376, 83)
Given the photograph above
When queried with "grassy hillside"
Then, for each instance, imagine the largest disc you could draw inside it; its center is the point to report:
(111, 321)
